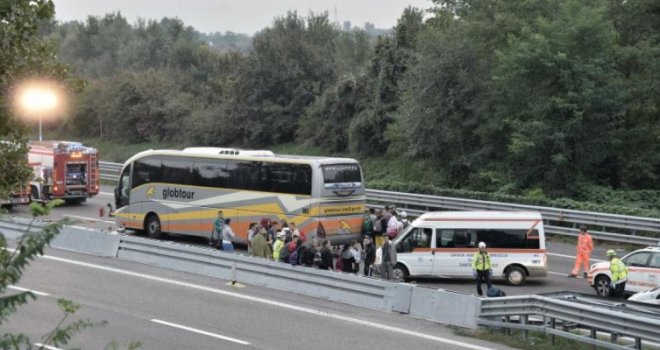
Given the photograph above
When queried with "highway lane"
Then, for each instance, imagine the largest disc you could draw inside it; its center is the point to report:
(560, 255)
(167, 309)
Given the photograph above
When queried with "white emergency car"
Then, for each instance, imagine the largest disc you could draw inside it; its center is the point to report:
(643, 272)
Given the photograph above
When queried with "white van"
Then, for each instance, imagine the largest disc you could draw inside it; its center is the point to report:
(442, 244)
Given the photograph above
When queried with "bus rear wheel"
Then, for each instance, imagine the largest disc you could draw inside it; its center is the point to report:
(152, 226)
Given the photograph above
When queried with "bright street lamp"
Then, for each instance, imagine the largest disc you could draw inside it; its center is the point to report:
(39, 100)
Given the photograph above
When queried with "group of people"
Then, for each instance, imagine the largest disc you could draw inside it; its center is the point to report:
(284, 242)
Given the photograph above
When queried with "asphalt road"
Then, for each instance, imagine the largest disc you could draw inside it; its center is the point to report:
(166, 309)
(560, 254)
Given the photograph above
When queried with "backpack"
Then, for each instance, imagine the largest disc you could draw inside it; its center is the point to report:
(378, 226)
(293, 258)
(368, 225)
(494, 292)
(318, 260)
(284, 253)
(339, 265)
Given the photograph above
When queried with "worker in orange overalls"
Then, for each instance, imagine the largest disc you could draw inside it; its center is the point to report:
(584, 248)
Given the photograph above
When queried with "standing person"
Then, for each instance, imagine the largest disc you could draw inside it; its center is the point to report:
(277, 247)
(228, 235)
(404, 219)
(252, 230)
(326, 256)
(619, 273)
(296, 230)
(393, 225)
(481, 268)
(369, 255)
(347, 259)
(216, 232)
(368, 223)
(389, 258)
(357, 256)
(380, 226)
(584, 248)
(260, 245)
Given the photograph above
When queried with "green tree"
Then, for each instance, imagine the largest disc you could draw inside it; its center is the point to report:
(393, 56)
(23, 55)
(556, 93)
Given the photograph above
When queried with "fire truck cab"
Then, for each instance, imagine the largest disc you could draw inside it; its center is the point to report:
(63, 169)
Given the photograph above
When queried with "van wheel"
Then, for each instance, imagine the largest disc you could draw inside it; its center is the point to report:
(399, 273)
(515, 276)
(152, 226)
(602, 286)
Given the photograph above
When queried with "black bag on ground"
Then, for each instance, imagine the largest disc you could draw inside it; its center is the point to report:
(494, 292)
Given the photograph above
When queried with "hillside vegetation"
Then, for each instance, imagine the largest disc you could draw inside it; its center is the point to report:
(536, 100)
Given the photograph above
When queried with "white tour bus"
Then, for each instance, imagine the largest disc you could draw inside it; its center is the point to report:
(181, 192)
(442, 244)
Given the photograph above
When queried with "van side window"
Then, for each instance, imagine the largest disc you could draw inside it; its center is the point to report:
(454, 238)
(416, 238)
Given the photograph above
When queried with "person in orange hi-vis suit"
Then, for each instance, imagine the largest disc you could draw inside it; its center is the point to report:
(584, 247)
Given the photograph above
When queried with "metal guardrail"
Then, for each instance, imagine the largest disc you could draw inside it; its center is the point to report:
(575, 317)
(417, 204)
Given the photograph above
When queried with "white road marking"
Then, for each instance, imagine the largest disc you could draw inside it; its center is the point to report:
(46, 346)
(87, 218)
(572, 257)
(28, 290)
(199, 331)
(375, 325)
(107, 194)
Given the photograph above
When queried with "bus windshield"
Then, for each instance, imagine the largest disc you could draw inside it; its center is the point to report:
(341, 173)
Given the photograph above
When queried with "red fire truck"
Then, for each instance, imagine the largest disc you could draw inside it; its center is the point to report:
(65, 170)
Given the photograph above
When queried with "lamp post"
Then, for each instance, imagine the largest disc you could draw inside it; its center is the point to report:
(39, 100)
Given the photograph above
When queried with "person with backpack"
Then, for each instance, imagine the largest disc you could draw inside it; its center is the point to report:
(277, 247)
(369, 253)
(326, 256)
(368, 223)
(380, 224)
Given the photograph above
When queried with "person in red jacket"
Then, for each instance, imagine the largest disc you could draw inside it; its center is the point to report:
(584, 248)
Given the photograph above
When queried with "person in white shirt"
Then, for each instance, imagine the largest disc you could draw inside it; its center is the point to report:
(393, 225)
(228, 235)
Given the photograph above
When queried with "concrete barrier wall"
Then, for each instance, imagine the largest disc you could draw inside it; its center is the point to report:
(330, 285)
(72, 238)
(88, 241)
(445, 306)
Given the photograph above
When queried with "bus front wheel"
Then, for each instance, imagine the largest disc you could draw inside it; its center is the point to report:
(152, 226)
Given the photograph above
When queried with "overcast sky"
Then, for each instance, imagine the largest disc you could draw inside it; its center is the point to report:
(243, 16)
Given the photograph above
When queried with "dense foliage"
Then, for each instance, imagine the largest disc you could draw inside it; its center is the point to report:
(508, 96)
